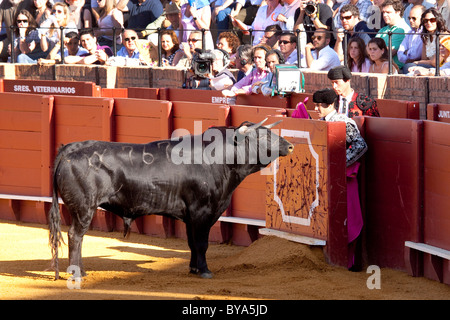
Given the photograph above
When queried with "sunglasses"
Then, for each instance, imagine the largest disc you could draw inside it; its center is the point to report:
(57, 11)
(412, 18)
(130, 39)
(346, 17)
(431, 20)
(193, 40)
(22, 21)
(316, 37)
(285, 42)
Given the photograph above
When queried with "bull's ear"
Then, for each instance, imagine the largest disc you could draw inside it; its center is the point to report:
(270, 126)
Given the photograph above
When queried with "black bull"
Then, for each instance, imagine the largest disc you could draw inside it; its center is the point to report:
(131, 180)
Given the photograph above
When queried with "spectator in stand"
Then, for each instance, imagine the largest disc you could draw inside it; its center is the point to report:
(129, 48)
(258, 73)
(319, 55)
(287, 16)
(96, 54)
(379, 55)
(393, 16)
(243, 61)
(432, 22)
(349, 15)
(246, 10)
(319, 18)
(357, 58)
(267, 85)
(410, 49)
(221, 10)
(109, 17)
(194, 42)
(171, 21)
(197, 17)
(288, 47)
(50, 28)
(141, 12)
(27, 48)
(444, 52)
(350, 103)
(41, 10)
(8, 10)
(170, 48)
(363, 8)
(229, 42)
(443, 6)
(412, 3)
(265, 16)
(72, 48)
(80, 13)
(271, 36)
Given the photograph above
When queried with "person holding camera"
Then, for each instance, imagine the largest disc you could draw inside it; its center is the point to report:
(210, 70)
(314, 15)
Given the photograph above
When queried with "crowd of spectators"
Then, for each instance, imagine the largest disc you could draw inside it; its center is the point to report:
(312, 34)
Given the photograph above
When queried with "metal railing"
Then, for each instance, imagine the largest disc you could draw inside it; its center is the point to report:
(251, 32)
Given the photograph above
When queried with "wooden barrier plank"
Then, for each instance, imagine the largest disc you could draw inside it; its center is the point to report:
(20, 120)
(29, 177)
(138, 126)
(143, 93)
(26, 140)
(394, 197)
(436, 219)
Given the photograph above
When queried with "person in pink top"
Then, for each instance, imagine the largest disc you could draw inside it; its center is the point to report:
(258, 73)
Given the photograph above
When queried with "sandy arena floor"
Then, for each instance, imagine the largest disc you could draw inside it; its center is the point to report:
(143, 267)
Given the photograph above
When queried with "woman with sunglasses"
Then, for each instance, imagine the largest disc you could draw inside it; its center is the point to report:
(357, 58)
(27, 47)
(109, 17)
(378, 54)
(50, 28)
(432, 22)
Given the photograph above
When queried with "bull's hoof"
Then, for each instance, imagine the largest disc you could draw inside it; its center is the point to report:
(206, 275)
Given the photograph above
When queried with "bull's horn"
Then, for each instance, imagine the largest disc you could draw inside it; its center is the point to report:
(257, 125)
(242, 130)
(270, 126)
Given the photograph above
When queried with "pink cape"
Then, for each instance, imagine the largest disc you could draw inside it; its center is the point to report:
(354, 215)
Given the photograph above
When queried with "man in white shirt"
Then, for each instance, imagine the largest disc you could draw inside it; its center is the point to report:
(319, 55)
(410, 49)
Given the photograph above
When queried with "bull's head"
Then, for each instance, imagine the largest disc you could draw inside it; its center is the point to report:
(266, 142)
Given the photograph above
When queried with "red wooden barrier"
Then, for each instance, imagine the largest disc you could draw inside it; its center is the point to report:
(438, 112)
(389, 108)
(394, 198)
(436, 219)
(25, 152)
(49, 87)
(307, 194)
(144, 93)
(115, 92)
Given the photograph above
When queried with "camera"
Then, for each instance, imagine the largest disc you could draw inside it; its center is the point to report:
(310, 8)
(202, 63)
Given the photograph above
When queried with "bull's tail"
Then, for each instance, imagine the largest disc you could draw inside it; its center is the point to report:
(54, 224)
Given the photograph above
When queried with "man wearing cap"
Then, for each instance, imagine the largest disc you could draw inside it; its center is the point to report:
(444, 53)
(356, 146)
(350, 102)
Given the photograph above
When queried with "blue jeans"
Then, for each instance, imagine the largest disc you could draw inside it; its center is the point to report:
(223, 20)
